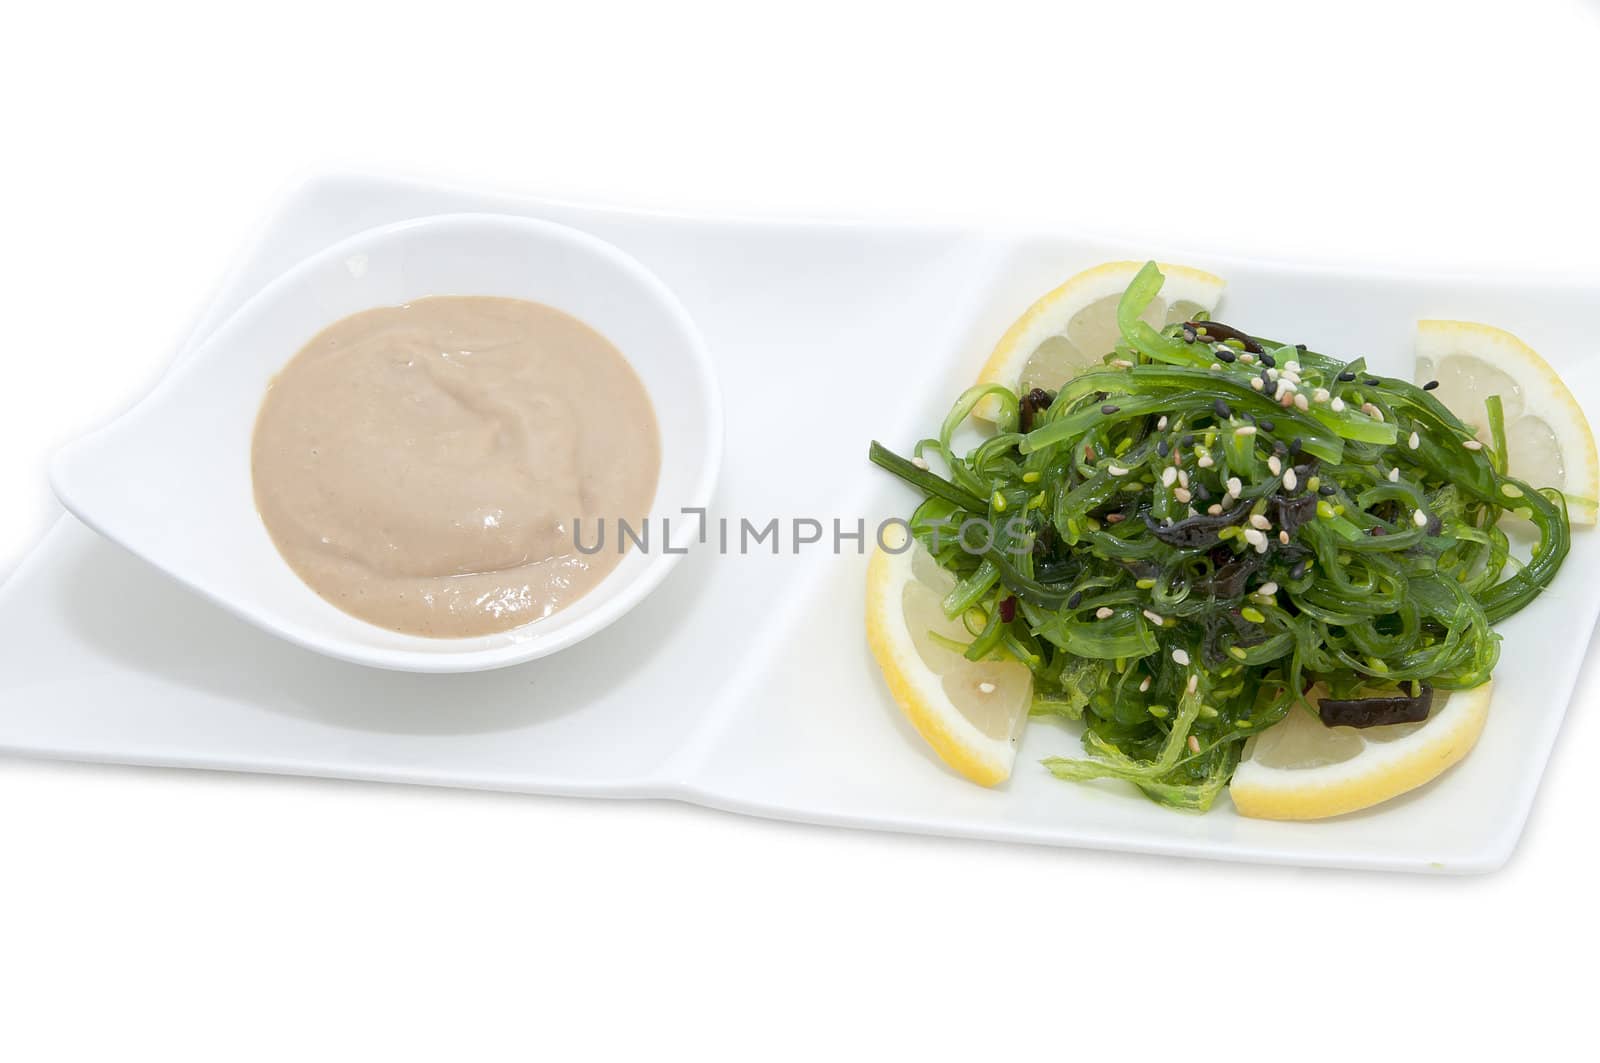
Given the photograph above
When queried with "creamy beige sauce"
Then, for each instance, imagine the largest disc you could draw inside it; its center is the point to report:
(421, 466)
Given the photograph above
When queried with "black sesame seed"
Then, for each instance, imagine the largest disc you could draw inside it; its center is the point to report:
(1187, 440)
(1109, 409)
(1269, 361)
(1163, 448)
(1076, 600)
(1225, 354)
(1327, 489)
(1372, 382)
(1201, 493)
(1430, 385)
(1188, 334)
(1299, 570)
(1267, 426)
(1299, 346)
(1222, 409)
(1296, 445)
(1347, 376)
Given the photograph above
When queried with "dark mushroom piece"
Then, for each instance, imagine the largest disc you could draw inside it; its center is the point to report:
(1376, 712)
(1217, 330)
(1197, 532)
(1295, 511)
(1232, 572)
(1033, 403)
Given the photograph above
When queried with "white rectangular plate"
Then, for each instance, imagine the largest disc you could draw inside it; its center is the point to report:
(745, 683)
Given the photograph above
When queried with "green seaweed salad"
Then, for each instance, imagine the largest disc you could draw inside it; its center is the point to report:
(1183, 542)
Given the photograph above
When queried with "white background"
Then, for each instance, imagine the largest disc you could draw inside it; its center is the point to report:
(220, 917)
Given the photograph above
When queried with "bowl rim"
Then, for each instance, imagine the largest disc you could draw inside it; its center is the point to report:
(529, 645)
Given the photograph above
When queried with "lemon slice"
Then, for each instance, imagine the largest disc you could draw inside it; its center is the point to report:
(1548, 441)
(1300, 769)
(970, 712)
(1076, 325)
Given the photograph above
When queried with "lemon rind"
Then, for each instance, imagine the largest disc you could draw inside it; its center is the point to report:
(916, 688)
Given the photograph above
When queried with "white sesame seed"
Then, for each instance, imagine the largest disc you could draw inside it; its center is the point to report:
(1301, 403)
(1169, 476)
(1291, 377)
(1144, 685)
(1194, 683)
(1193, 512)
(1291, 366)
(1256, 383)
(1181, 656)
(1205, 461)
(1272, 374)
(1321, 395)
(1121, 363)
(1194, 744)
(1372, 411)
(1161, 425)
(986, 687)
(1283, 536)
(1247, 358)
(1290, 480)
(1245, 430)
(1420, 519)
(921, 463)
(1259, 521)
(1105, 612)
(1235, 486)
(1216, 367)
(1268, 589)
(1415, 441)
(1154, 618)
(1472, 444)
(1337, 405)
(1214, 509)
(1183, 478)
(1394, 476)
(1116, 470)
(1255, 537)
(1183, 494)
(1274, 466)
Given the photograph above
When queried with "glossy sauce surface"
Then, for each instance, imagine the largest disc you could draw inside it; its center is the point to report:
(422, 466)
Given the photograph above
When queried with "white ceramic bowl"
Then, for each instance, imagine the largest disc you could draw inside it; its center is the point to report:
(170, 479)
